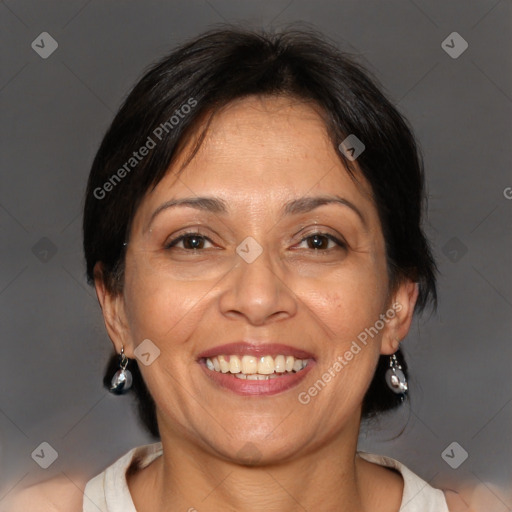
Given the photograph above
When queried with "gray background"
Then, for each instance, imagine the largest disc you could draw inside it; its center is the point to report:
(54, 113)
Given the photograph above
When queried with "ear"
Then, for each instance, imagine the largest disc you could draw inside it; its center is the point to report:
(112, 307)
(402, 304)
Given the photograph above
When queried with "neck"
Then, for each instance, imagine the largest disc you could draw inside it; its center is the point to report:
(189, 478)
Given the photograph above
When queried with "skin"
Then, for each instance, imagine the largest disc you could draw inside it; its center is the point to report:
(259, 153)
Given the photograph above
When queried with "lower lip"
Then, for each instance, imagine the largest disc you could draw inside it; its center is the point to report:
(257, 387)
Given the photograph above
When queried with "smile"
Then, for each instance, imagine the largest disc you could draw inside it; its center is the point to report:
(250, 367)
(256, 369)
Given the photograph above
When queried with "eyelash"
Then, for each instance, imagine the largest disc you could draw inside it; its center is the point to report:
(332, 238)
(193, 234)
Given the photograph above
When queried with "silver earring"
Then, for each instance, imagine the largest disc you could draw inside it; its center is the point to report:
(395, 377)
(122, 380)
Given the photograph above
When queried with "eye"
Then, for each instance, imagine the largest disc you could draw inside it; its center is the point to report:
(321, 241)
(189, 241)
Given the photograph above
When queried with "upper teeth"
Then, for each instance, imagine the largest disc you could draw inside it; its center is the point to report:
(252, 365)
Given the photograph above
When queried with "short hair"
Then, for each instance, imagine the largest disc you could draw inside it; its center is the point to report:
(216, 68)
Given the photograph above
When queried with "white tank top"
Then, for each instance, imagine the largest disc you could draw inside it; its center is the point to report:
(108, 491)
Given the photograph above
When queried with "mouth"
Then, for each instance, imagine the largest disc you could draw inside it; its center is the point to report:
(249, 369)
(254, 367)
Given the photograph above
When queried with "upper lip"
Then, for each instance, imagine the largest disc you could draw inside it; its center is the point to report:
(256, 349)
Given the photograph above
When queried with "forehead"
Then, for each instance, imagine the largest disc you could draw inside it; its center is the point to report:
(263, 148)
(264, 133)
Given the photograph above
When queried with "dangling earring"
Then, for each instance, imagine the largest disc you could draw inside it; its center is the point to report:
(122, 380)
(395, 377)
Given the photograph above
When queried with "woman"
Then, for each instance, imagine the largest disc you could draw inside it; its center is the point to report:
(252, 227)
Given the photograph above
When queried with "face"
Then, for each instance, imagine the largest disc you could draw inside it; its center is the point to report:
(259, 273)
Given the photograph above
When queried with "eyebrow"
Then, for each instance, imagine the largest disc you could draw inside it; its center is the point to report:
(294, 207)
(209, 204)
(307, 204)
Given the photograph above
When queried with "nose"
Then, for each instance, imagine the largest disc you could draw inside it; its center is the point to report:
(257, 292)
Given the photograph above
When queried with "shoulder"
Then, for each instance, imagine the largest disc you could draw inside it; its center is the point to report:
(455, 502)
(417, 493)
(59, 494)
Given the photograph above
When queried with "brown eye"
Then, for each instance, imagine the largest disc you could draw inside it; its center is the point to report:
(193, 242)
(322, 242)
(189, 241)
(318, 242)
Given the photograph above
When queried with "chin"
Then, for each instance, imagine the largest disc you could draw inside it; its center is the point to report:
(260, 451)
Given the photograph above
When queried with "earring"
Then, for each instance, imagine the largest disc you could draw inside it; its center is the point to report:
(395, 377)
(122, 380)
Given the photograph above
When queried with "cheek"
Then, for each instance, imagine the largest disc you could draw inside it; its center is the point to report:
(347, 304)
(162, 309)
(347, 301)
